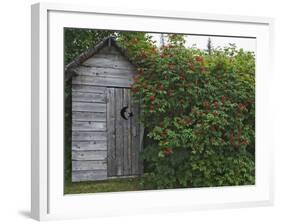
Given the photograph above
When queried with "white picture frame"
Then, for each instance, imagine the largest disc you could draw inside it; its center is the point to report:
(48, 200)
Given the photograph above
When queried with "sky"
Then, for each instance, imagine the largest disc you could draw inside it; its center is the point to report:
(248, 44)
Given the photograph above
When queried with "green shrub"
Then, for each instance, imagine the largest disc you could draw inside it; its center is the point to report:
(198, 111)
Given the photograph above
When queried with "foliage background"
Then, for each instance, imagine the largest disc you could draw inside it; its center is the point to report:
(198, 109)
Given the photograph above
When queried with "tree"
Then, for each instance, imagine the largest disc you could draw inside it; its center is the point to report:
(198, 112)
(209, 46)
(78, 40)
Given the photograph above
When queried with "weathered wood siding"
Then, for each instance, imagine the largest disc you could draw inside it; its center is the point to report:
(124, 144)
(89, 138)
(103, 143)
(107, 68)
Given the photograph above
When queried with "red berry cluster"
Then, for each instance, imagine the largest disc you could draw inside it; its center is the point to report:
(167, 151)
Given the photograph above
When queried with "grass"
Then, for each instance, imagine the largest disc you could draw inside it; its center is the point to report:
(114, 185)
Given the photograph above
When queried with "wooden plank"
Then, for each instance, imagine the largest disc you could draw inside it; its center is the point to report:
(88, 97)
(112, 57)
(88, 88)
(108, 62)
(88, 107)
(129, 126)
(78, 176)
(89, 145)
(108, 72)
(111, 134)
(119, 131)
(135, 139)
(102, 81)
(89, 155)
(88, 135)
(109, 50)
(125, 125)
(88, 126)
(89, 165)
(88, 116)
(141, 168)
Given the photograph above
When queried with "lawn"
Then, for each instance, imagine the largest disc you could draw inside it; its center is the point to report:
(114, 185)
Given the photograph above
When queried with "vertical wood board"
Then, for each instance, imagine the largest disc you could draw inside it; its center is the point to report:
(111, 132)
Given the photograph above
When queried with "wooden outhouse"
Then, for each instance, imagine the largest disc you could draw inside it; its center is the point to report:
(106, 132)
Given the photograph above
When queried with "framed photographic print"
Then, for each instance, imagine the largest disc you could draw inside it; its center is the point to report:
(145, 111)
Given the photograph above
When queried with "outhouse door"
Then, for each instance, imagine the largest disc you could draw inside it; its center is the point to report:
(123, 133)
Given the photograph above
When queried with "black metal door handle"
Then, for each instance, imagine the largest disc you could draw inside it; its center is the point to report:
(125, 114)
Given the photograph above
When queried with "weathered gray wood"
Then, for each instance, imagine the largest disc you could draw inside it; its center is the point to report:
(113, 57)
(89, 165)
(88, 97)
(129, 126)
(88, 88)
(126, 146)
(125, 127)
(88, 126)
(88, 135)
(89, 53)
(109, 72)
(119, 131)
(89, 175)
(108, 62)
(104, 145)
(88, 116)
(111, 133)
(89, 145)
(109, 50)
(102, 81)
(135, 139)
(89, 155)
(88, 107)
(140, 169)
